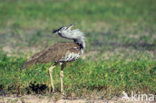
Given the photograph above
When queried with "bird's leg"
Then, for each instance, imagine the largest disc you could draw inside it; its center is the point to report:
(61, 77)
(51, 78)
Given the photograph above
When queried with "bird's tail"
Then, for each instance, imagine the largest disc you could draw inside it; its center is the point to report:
(23, 66)
(27, 64)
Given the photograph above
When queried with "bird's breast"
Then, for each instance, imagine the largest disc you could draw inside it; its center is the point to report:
(70, 56)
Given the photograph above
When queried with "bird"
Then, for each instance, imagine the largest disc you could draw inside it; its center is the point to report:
(60, 53)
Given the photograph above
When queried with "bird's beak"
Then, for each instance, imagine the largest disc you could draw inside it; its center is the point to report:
(70, 26)
(55, 31)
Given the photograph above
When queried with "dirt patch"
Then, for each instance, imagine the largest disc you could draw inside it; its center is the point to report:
(52, 99)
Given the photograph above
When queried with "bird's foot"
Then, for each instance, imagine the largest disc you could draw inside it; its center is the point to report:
(51, 90)
(62, 93)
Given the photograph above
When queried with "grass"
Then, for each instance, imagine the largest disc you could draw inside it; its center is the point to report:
(120, 53)
(110, 77)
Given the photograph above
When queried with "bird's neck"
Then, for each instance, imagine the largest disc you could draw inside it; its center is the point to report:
(80, 42)
(75, 35)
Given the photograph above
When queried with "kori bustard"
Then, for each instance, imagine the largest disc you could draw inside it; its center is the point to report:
(60, 53)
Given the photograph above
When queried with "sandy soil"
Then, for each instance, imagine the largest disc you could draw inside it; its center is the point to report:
(50, 99)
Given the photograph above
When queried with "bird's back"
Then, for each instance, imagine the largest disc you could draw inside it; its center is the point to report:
(60, 52)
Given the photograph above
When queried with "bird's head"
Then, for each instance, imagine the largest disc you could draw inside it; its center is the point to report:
(64, 28)
(76, 34)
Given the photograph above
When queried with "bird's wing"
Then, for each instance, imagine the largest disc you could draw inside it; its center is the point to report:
(56, 52)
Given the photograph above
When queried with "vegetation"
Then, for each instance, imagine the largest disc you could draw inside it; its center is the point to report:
(121, 43)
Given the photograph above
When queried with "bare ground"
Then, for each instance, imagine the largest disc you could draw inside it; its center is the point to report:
(51, 99)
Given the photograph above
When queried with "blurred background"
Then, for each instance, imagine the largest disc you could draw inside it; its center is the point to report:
(120, 49)
(110, 26)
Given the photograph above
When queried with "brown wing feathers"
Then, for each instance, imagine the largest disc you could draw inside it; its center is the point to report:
(53, 53)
